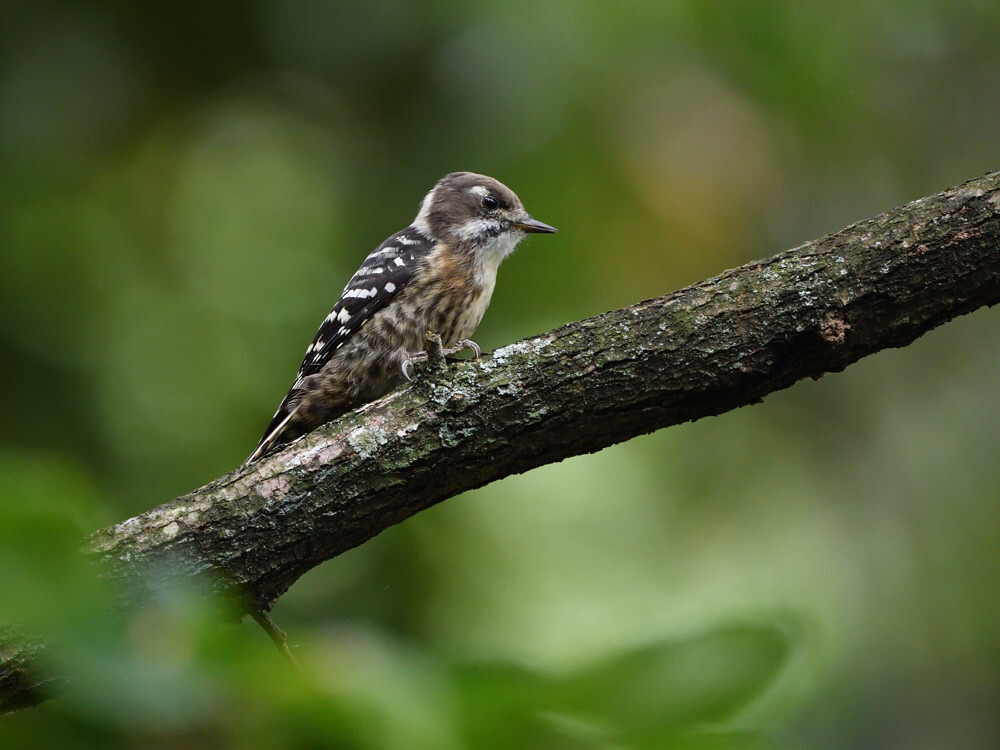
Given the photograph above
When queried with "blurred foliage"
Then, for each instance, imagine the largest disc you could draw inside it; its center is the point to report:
(186, 188)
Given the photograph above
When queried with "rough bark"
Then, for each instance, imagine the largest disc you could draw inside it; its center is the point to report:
(717, 345)
(24, 682)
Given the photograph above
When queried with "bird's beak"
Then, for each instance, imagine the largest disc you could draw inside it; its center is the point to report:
(533, 225)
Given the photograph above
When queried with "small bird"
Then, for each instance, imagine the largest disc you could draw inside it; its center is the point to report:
(437, 275)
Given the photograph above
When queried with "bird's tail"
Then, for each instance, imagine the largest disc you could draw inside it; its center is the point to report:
(273, 434)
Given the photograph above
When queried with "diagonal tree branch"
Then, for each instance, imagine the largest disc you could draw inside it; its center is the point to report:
(720, 344)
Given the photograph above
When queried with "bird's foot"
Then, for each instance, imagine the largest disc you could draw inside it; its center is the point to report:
(461, 346)
(411, 359)
(435, 354)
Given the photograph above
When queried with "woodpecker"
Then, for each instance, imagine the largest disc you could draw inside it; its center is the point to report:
(437, 275)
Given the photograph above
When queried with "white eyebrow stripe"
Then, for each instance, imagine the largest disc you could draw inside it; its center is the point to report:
(478, 190)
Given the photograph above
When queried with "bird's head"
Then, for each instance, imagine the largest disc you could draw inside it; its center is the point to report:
(471, 209)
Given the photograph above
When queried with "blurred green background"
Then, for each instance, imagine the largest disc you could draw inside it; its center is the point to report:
(187, 186)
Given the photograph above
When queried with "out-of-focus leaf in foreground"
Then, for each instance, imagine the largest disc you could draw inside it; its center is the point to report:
(672, 692)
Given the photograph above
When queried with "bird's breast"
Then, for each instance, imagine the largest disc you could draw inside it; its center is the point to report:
(452, 295)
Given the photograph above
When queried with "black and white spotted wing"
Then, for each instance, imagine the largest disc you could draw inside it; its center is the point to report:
(381, 277)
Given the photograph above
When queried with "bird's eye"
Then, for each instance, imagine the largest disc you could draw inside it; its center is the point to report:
(490, 203)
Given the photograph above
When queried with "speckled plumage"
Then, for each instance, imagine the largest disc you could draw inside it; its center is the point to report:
(436, 275)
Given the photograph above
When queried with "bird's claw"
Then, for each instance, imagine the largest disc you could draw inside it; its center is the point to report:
(411, 359)
(461, 346)
(435, 354)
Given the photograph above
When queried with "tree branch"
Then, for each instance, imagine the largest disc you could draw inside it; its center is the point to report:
(720, 344)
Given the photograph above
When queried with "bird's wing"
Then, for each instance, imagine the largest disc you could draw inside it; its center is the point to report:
(382, 276)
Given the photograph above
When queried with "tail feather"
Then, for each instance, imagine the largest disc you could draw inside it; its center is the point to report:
(272, 435)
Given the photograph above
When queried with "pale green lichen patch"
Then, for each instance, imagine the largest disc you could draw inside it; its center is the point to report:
(147, 530)
(407, 454)
(521, 349)
(450, 437)
(365, 440)
(441, 394)
(466, 379)
(404, 431)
